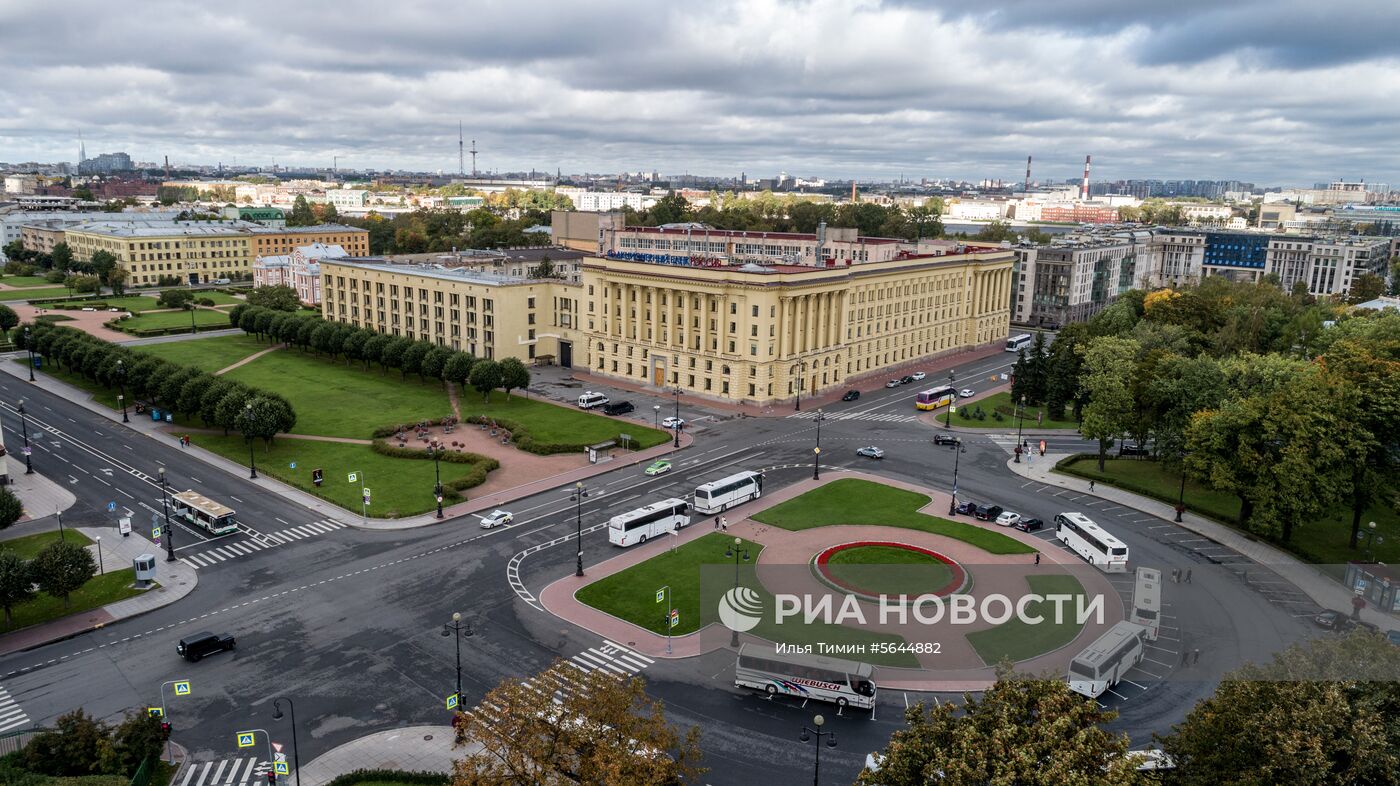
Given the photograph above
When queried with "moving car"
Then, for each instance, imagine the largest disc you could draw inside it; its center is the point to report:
(945, 439)
(905, 380)
(1329, 619)
(987, 512)
(672, 422)
(618, 408)
(221, 281)
(966, 393)
(870, 451)
(193, 648)
(659, 467)
(894, 383)
(1008, 519)
(496, 518)
(851, 395)
(1029, 525)
(918, 375)
(1133, 450)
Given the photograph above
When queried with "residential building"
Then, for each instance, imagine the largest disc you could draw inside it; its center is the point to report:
(1240, 256)
(347, 197)
(43, 234)
(300, 270)
(1079, 213)
(21, 184)
(1176, 257)
(1071, 280)
(12, 223)
(1326, 266)
(605, 201)
(105, 164)
(697, 244)
(582, 231)
(271, 241)
(975, 210)
(197, 252)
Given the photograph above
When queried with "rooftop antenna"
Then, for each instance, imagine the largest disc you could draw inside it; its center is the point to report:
(473, 152)
(461, 161)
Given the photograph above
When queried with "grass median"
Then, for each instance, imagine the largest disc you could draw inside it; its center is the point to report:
(1016, 640)
(1001, 402)
(857, 501)
(29, 546)
(34, 293)
(207, 354)
(163, 320)
(101, 590)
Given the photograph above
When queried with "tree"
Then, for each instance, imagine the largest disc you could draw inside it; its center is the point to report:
(81, 283)
(392, 354)
(995, 232)
(61, 567)
(62, 256)
(77, 745)
(235, 314)
(435, 362)
(174, 385)
(592, 736)
(278, 298)
(1108, 364)
(458, 368)
(1027, 732)
(374, 348)
(102, 263)
(209, 402)
(413, 355)
(545, 269)
(353, 344)
(117, 280)
(486, 376)
(301, 215)
(228, 412)
(1320, 712)
(175, 298)
(514, 375)
(8, 319)
(16, 581)
(1367, 286)
(11, 509)
(137, 738)
(265, 416)
(192, 393)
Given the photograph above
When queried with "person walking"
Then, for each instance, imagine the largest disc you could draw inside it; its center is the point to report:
(1185, 657)
(1037, 558)
(1091, 487)
(716, 523)
(724, 524)
(1195, 656)
(1188, 575)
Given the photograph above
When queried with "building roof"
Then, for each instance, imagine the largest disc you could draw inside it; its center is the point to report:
(458, 274)
(313, 251)
(317, 229)
(158, 228)
(701, 229)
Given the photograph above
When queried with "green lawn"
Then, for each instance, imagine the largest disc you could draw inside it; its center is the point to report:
(24, 281)
(203, 317)
(1323, 541)
(885, 570)
(1015, 640)
(219, 298)
(855, 501)
(554, 423)
(133, 303)
(30, 545)
(34, 293)
(104, 589)
(1001, 402)
(208, 354)
(339, 400)
(400, 486)
(99, 394)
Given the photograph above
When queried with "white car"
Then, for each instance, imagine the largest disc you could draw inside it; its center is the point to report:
(894, 383)
(673, 422)
(918, 375)
(1008, 519)
(496, 518)
(967, 393)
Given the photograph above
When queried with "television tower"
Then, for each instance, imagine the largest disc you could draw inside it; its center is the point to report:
(473, 152)
(82, 149)
(461, 161)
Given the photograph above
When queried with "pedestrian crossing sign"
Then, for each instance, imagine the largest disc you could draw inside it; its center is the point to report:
(155, 532)
(155, 712)
(182, 688)
(452, 702)
(354, 476)
(281, 768)
(661, 596)
(675, 617)
(245, 739)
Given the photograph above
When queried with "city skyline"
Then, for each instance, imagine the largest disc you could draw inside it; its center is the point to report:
(865, 90)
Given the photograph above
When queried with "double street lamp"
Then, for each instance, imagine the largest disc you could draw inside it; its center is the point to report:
(277, 715)
(676, 394)
(817, 451)
(1370, 541)
(121, 388)
(948, 421)
(579, 495)
(247, 421)
(808, 734)
(733, 551)
(459, 630)
(1021, 419)
(1181, 495)
(957, 459)
(656, 415)
(802, 364)
(436, 449)
(168, 532)
(24, 425)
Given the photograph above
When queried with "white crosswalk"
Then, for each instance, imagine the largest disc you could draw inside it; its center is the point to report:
(879, 417)
(227, 549)
(11, 716)
(238, 771)
(609, 658)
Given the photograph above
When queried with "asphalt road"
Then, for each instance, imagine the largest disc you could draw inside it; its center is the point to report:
(349, 622)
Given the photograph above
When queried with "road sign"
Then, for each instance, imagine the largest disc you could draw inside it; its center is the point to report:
(280, 767)
(279, 756)
(182, 688)
(277, 746)
(294, 465)
(155, 712)
(952, 407)
(354, 476)
(155, 532)
(675, 617)
(452, 702)
(111, 507)
(124, 525)
(245, 739)
(661, 596)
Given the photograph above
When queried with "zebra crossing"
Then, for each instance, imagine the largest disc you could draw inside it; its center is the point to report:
(11, 716)
(223, 550)
(238, 771)
(609, 658)
(877, 417)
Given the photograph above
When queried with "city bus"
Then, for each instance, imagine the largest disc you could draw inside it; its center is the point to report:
(1091, 542)
(1102, 664)
(841, 682)
(1147, 601)
(654, 520)
(1017, 343)
(204, 513)
(935, 398)
(727, 492)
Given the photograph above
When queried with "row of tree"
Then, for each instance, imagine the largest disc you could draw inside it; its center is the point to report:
(341, 341)
(444, 229)
(79, 745)
(217, 401)
(770, 213)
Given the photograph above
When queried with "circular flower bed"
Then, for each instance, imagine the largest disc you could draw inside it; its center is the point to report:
(871, 568)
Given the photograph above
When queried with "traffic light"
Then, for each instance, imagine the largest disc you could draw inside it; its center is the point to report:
(165, 730)
(271, 778)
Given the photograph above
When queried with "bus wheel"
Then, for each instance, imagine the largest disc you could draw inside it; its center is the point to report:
(840, 701)
(643, 539)
(772, 690)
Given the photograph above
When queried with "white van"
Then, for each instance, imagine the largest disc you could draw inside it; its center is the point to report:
(589, 400)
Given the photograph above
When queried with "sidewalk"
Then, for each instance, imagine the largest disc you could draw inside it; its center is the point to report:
(412, 749)
(41, 497)
(1323, 589)
(175, 580)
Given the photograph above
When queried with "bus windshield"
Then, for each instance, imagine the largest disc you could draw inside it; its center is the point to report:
(1081, 669)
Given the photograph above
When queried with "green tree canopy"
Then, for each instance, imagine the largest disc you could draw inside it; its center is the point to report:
(16, 581)
(486, 376)
(62, 567)
(278, 298)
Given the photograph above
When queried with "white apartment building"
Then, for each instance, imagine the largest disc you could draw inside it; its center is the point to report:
(347, 197)
(300, 270)
(605, 201)
(975, 210)
(1327, 266)
(1174, 258)
(21, 184)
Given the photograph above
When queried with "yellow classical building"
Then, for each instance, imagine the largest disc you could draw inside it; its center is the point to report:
(280, 241)
(196, 252)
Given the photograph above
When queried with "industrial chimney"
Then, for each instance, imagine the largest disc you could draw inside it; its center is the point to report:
(1027, 188)
(1085, 188)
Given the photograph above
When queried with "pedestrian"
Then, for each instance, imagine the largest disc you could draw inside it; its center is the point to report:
(716, 522)
(1185, 657)
(1091, 487)
(724, 524)
(1037, 558)
(1176, 575)
(1188, 575)
(1195, 656)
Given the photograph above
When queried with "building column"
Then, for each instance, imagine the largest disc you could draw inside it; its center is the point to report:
(782, 327)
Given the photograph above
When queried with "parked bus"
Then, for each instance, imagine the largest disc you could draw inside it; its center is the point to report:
(1147, 601)
(935, 398)
(204, 513)
(1017, 343)
(727, 492)
(841, 682)
(1092, 542)
(1102, 664)
(654, 520)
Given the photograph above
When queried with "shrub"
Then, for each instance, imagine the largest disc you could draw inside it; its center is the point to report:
(390, 776)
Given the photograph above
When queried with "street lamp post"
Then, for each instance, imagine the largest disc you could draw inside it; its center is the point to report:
(580, 493)
(100, 568)
(676, 394)
(29, 345)
(1370, 541)
(948, 421)
(808, 734)
(802, 364)
(24, 425)
(817, 451)
(436, 450)
(957, 459)
(252, 462)
(457, 629)
(121, 389)
(733, 551)
(193, 329)
(168, 532)
(277, 715)
(1020, 421)
(656, 416)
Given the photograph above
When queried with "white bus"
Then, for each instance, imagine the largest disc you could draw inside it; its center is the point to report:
(654, 520)
(1092, 542)
(204, 513)
(842, 682)
(1017, 343)
(1147, 601)
(1102, 664)
(725, 493)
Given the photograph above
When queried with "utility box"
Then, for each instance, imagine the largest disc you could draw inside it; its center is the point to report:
(145, 567)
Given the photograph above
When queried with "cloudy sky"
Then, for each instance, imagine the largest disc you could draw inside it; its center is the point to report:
(1274, 91)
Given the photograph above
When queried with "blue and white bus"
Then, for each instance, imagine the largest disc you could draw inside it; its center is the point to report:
(1017, 343)
(652, 521)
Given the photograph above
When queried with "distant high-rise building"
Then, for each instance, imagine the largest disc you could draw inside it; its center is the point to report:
(105, 164)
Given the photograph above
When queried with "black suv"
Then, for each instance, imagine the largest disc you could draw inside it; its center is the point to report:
(945, 439)
(193, 648)
(851, 395)
(1029, 525)
(966, 508)
(1134, 450)
(905, 380)
(618, 408)
(988, 512)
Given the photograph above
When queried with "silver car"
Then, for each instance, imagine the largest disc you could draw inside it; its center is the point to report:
(870, 451)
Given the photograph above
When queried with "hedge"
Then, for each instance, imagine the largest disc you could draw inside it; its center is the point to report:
(481, 466)
(391, 776)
